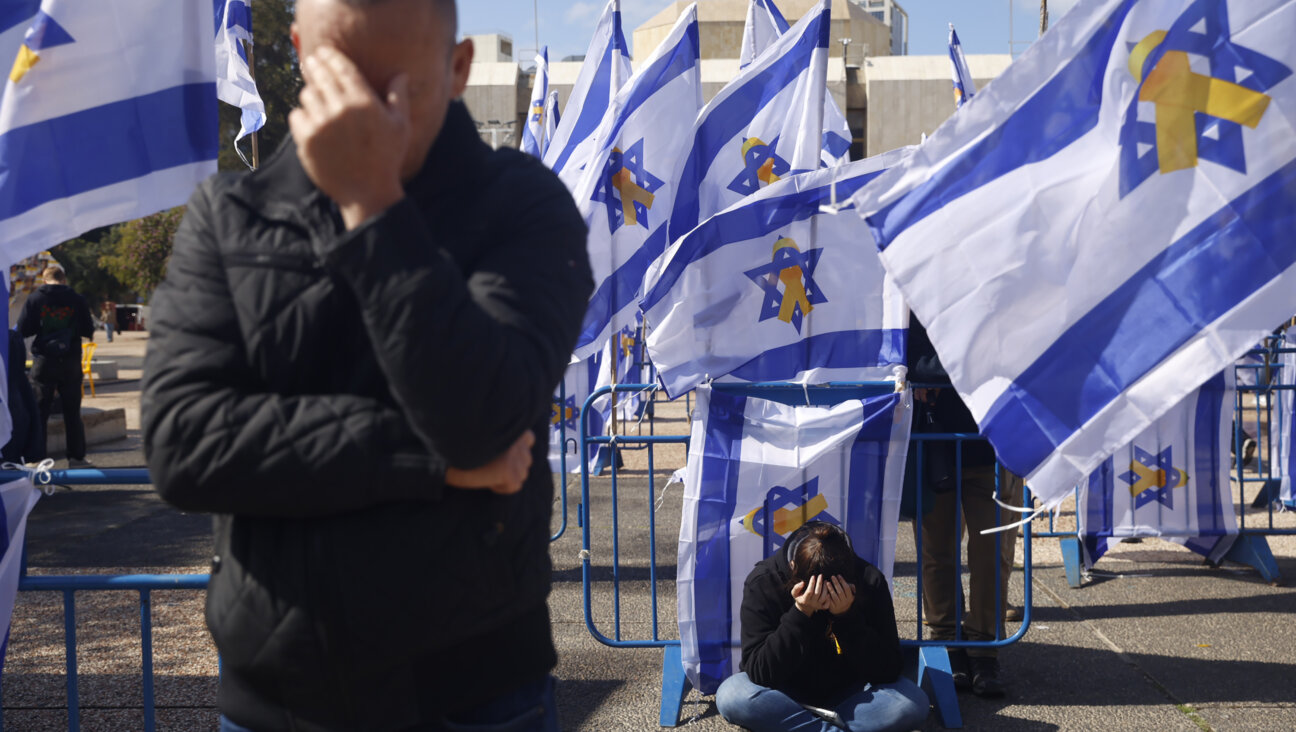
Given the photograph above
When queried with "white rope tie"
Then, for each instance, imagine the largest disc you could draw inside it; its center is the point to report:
(39, 474)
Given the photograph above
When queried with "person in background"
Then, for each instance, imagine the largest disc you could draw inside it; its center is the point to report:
(820, 649)
(59, 318)
(108, 314)
(27, 441)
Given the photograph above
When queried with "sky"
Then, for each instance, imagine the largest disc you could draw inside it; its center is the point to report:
(566, 25)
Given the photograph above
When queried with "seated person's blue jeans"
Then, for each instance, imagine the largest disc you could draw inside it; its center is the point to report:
(875, 708)
(529, 708)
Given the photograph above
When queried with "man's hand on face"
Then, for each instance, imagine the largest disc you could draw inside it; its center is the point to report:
(503, 475)
(351, 142)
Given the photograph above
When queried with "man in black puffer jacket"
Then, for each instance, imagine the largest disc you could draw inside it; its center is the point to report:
(350, 358)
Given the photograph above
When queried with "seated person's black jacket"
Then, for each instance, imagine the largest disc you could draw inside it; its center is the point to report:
(785, 650)
(311, 386)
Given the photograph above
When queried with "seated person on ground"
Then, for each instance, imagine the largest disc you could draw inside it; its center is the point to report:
(819, 630)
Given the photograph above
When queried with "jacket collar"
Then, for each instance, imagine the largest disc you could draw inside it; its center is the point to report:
(280, 189)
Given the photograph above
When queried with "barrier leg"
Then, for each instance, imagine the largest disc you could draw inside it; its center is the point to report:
(1269, 491)
(1253, 551)
(674, 686)
(934, 677)
(603, 459)
(1071, 560)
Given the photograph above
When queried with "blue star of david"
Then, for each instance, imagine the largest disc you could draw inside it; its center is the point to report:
(748, 181)
(1219, 141)
(570, 410)
(607, 193)
(791, 499)
(767, 277)
(1163, 493)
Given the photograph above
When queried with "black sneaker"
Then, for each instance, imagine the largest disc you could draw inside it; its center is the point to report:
(985, 677)
(960, 670)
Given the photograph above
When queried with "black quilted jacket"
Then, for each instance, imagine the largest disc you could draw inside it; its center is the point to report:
(310, 386)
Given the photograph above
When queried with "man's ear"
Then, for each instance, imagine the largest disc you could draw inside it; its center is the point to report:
(461, 66)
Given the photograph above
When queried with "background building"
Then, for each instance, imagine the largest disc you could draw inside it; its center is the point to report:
(891, 99)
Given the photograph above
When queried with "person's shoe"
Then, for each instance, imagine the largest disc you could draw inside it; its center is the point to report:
(79, 464)
(985, 677)
(1013, 613)
(960, 670)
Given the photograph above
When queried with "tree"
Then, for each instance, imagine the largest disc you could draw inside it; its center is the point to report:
(143, 248)
(278, 80)
(85, 259)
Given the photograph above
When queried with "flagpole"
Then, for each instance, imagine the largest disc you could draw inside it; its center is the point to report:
(256, 145)
(1043, 16)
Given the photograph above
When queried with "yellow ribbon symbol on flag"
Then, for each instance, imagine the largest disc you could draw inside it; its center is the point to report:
(631, 193)
(787, 520)
(1179, 94)
(765, 173)
(794, 290)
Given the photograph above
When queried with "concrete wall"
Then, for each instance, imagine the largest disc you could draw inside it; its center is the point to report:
(908, 96)
(497, 99)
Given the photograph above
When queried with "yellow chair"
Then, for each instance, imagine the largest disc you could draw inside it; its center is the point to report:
(87, 355)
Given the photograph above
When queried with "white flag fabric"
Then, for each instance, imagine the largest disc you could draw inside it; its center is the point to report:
(1171, 481)
(581, 380)
(765, 125)
(757, 470)
(1105, 226)
(1284, 462)
(964, 87)
(774, 289)
(234, 82)
(533, 135)
(765, 24)
(17, 498)
(552, 118)
(109, 114)
(627, 193)
(606, 68)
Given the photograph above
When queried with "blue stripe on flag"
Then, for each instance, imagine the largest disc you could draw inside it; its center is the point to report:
(843, 349)
(1098, 510)
(669, 67)
(169, 128)
(1062, 111)
(717, 498)
(749, 221)
(13, 12)
(591, 113)
(1206, 434)
(735, 114)
(621, 288)
(1195, 281)
(866, 481)
(835, 144)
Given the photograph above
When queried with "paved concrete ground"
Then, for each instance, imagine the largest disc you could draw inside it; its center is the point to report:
(1156, 640)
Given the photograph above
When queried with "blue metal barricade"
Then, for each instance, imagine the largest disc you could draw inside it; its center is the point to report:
(932, 666)
(69, 585)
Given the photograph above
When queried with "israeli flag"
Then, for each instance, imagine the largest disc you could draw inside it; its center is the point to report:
(17, 498)
(234, 82)
(581, 379)
(964, 87)
(776, 289)
(627, 193)
(764, 26)
(1171, 481)
(765, 125)
(1284, 461)
(552, 117)
(1104, 227)
(109, 114)
(15, 19)
(757, 470)
(533, 135)
(606, 68)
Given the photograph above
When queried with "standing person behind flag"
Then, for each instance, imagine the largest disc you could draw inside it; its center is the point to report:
(350, 360)
(819, 629)
(59, 318)
(974, 669)
(108, 314)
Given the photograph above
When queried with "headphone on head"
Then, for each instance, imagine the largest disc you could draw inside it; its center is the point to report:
(801, 534)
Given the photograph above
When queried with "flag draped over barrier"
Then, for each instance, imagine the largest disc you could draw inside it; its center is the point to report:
(234, 82)
(17, 498)
(580, 380)
(964, 87)
(1284, 434)
(1170, 481)
(763, 126)
(109, 114)
(606, 68)
(765, 24)
(533, 135)
(758, 470)
(1104, 227)
(628, 190)
(776, 289)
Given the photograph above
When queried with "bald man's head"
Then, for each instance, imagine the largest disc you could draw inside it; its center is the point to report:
(386, 38)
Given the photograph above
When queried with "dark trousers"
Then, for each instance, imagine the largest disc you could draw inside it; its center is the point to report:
(941, 541)
(64, 377)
